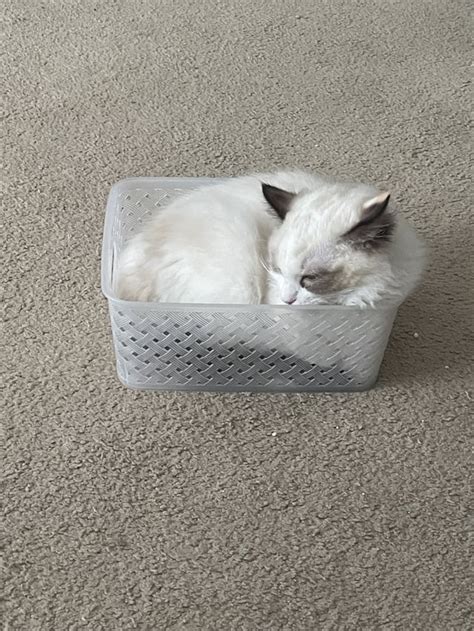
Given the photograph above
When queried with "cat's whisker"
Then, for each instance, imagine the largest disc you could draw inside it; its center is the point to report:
(264, 265)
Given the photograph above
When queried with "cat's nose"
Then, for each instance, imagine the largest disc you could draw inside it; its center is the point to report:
(290, 301)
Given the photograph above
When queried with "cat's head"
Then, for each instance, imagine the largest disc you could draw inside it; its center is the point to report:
(332, 241)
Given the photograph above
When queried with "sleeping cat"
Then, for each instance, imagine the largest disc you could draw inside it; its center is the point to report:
(287, 237)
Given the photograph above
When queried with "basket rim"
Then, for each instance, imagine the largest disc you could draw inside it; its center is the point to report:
(224, 307)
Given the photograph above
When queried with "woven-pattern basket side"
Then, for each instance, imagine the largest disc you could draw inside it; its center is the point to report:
(134, 208)
(248, 349)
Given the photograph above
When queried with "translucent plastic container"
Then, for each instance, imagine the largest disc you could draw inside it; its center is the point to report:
(229, 348)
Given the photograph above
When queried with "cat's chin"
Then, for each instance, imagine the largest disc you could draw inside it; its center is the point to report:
(348, 299)
(317, 300)
(307, 298)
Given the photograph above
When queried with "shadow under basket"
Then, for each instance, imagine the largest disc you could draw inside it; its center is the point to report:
(259, 348)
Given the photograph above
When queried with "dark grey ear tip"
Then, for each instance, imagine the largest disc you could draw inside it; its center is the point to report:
(279, 199)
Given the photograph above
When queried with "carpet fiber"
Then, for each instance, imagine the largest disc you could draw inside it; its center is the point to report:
(129, 510)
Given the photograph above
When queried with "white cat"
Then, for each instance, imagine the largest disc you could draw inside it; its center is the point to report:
(286, 237)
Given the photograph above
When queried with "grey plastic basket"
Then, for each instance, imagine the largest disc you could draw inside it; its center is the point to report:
(230, 347)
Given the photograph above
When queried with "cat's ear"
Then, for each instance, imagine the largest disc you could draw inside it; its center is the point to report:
(373, 208)
(279, 199)
(375, 224)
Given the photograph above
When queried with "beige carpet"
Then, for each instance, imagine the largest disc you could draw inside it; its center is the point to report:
(126, 510)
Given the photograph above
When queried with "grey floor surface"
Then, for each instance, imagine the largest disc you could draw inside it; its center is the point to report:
(126, 510)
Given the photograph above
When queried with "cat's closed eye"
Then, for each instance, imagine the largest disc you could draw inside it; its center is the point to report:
(308, 278)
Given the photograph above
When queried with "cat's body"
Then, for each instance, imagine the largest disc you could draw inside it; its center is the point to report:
(205, 247)
(338, 243)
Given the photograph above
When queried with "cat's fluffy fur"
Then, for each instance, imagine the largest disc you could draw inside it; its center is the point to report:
(338, 243)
